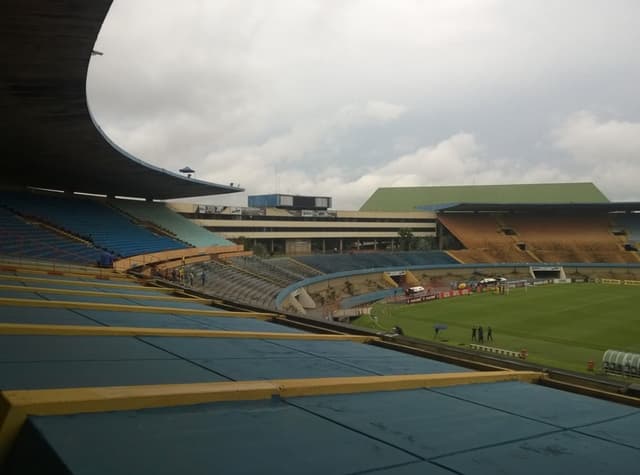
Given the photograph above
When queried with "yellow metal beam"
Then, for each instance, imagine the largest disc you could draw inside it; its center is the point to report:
(84, 330)
(16, 406)
(363, 384)
(131, 308)
(95, 273)
(97, 293)
(82, 283)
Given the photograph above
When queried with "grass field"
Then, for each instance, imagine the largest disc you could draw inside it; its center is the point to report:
(562, 326)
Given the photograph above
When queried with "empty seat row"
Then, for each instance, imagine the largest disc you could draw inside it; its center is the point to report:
(19, 238)
(91, 220)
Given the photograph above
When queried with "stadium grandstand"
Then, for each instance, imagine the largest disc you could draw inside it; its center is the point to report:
(134, 338)
(558, 223)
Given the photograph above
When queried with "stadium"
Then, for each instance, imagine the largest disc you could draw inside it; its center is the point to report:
(140, 334)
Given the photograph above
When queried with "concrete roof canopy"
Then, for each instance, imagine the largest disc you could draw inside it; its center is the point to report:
(48, 135)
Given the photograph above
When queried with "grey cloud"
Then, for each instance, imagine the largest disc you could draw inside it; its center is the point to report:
(332, 92)
(605, 150)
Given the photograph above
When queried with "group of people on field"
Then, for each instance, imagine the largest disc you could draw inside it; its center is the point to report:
(477, 334)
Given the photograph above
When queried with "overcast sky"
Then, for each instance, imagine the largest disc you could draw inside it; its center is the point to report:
(340, 97)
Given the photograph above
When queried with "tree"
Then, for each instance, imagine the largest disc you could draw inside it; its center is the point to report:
(405, 238)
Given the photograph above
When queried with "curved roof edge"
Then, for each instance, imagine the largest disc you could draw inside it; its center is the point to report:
(48, 135)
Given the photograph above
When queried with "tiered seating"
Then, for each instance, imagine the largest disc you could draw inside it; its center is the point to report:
(570, 238)
(330, 263)
(179, 226)
(266, 270)
(547, 237)
(295, 267)
(631, 224)
(489, 255)
(90, 220)
(229, 282)
(21, 239)
(482, 234)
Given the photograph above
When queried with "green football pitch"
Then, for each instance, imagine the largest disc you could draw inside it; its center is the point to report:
(562, 326)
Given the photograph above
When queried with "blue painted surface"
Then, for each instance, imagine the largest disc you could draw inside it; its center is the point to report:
(278, 367)
(554, 454)
(211, 348)
(395, 433)
(401, 364)
(85, 298)
(42, 316)
(560, 408)
(16, 294)
(74, 374)
(423, 422)
(53, 284)
(170, 304)
(140, 290)
(15, 348)
(140, 319)
(624, 430)
(49, 285)
(373, 359)
(415, 468)
(241, 324)
(6, 281)
(336, 349)
(232, 438)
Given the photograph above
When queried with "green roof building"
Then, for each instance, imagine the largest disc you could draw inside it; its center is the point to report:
(412, 198)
